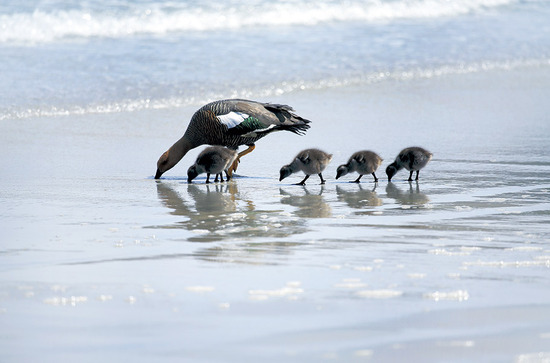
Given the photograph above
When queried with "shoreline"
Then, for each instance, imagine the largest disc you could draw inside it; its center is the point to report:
(288, 89)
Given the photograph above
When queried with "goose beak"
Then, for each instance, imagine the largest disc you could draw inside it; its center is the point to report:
(158, 174)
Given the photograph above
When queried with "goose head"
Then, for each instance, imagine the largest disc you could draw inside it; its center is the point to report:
(173, 155)
(164, 163)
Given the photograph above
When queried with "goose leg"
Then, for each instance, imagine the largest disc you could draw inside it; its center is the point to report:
(303, 182)
(238, 159)
(207, 178)
(418, 171)
(375, 178)
(227, 176)
(358, 179)
(411, 176)
(322, 180)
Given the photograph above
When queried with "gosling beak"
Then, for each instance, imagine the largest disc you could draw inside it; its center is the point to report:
(158, 174)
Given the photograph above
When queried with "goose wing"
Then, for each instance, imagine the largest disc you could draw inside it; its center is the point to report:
(250, 119)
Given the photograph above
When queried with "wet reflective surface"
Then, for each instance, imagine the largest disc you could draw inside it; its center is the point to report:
(101, 262)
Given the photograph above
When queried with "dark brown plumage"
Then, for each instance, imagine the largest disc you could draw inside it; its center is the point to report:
(232, 123)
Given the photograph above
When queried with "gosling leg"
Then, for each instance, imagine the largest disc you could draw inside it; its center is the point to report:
(303, 182)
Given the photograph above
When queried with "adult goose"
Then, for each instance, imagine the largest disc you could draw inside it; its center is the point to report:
(412, 158)
(232, 123)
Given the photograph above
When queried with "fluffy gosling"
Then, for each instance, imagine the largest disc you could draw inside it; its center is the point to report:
(412, 158)
(364, 162)
(212, 160)
(309, 161)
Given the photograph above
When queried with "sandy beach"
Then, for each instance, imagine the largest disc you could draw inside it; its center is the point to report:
(99, 261)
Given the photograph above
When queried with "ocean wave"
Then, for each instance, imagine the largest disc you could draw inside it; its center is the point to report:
(159, 18)
(273, 90)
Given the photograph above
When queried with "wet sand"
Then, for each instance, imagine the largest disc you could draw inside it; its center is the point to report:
(101, 262)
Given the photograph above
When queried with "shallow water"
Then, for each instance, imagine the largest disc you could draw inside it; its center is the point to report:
(107, 56)
(100, 261)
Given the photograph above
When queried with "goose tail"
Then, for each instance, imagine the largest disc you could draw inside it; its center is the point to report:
(292, 122)
(297, 128)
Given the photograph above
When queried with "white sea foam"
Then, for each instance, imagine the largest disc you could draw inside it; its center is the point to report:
(380, 294)
(291, 290)
(200, 289)
(539, 357)
(458, 295)
(158, 18)
(66, 301)
(270, 90)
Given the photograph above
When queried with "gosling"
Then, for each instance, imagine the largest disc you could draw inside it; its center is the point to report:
(363, 162)
(212, 160)
(309, 161)
(412, 158)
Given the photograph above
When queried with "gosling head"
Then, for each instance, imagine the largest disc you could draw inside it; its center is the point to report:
(341, 171)
(192, 173)
(285, 171)
(390, 171)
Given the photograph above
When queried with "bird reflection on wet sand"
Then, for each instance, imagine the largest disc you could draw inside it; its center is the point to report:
(411, 197)
(359, 197)
(309, 205)
(218, 212)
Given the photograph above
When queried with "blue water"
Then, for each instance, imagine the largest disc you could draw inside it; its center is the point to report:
(99, 262)
(59, 57)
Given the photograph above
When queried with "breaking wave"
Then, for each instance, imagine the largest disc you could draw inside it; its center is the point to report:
(266, 91)
(110, 20)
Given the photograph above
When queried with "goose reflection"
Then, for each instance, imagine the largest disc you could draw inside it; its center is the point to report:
(359, 198)
(309, 205)
(413, 196)
(217, 212)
